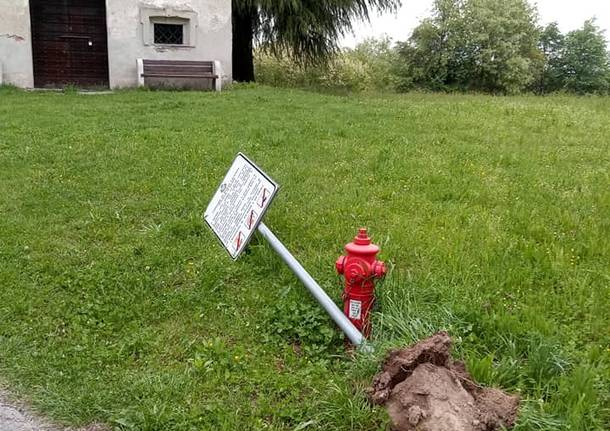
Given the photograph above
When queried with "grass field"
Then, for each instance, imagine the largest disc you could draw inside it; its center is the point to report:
(117, 305)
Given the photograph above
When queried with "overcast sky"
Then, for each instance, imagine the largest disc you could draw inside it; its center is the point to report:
(570, 14)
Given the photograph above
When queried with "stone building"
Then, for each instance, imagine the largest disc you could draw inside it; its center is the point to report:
(96, 43)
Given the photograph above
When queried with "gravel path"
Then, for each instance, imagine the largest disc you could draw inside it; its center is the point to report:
(16, 417)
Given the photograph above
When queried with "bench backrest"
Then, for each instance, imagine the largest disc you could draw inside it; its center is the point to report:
(171, 67)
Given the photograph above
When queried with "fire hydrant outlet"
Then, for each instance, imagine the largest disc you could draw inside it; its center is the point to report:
(340, 264)
(379, 269)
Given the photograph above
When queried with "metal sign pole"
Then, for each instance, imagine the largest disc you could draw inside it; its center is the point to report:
(236, 211)
(314, 288)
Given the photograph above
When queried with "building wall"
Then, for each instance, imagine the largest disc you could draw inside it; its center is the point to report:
(15, 43)
(210, 22)
(126, 20)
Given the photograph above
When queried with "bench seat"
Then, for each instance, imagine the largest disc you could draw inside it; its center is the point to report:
(180, 69)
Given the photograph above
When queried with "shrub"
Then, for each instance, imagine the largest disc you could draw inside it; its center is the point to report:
(368, 67)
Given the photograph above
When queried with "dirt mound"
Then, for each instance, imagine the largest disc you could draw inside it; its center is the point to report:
(423, 389)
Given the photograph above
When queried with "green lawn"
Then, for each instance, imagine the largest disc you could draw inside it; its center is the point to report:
(117, 304)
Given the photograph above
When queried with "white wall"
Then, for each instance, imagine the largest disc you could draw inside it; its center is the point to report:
(126, 39)
(15, 43)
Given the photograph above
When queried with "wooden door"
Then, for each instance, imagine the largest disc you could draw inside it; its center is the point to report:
(69, 43)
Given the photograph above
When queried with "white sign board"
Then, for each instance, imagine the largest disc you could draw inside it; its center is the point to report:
(239, 204)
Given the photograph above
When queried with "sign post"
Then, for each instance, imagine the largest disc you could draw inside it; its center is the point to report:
(236, 211)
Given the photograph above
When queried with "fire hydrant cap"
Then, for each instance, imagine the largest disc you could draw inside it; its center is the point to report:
(362, 244)
(362, 238)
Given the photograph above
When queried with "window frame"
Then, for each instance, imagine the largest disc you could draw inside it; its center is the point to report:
(156, 23)
(151, 16)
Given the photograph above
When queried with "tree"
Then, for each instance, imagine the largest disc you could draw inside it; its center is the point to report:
(379, 57)
(487, 45)
(430, 57)
(304, 29)
(584, 60)
(501, 38)
(551, 44)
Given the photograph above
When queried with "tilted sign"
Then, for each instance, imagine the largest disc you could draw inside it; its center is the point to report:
(239, 204)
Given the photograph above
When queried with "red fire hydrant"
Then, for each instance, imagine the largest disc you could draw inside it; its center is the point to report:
(360, 269)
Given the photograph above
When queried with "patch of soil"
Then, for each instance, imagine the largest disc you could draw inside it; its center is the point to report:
(95, 427)
(423, 389)
(16, 416)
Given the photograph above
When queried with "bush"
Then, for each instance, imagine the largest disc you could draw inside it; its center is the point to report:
(282, 72)
(368, 67)
(347, 73)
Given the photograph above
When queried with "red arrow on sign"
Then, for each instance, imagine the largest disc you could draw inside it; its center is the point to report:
(264, 197)
(238, 240)
(251, 219)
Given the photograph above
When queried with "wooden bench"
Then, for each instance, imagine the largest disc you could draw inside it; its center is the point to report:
(180, 70)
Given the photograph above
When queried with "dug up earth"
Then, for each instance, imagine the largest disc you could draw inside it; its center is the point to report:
(423, 389)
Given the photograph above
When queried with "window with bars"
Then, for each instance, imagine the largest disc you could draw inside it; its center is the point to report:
(169, 34)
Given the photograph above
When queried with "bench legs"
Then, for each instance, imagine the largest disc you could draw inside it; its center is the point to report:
(140, 63)
(218, 72)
